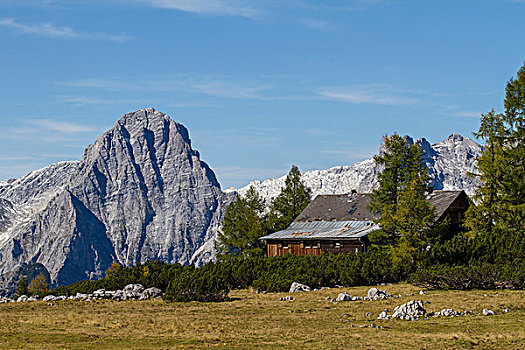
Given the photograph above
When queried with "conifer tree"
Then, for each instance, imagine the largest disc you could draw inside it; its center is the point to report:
(513, 199)
(501, 168)
(400, 197)
(414, 217)
(244, 224)
(22, 287)
(486, 214)
(38, 284)
(292, 200)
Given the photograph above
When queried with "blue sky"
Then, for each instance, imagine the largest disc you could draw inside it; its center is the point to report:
(260, 84)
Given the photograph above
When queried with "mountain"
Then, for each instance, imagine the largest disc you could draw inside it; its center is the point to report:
(448, 161)
(140, 192)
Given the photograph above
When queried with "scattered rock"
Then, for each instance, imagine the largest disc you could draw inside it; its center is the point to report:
(22, 298)
(343, 297)
(376, 294)
(505, 310)
(287, 298)
(368, 314)
(487, 312)
(372, 292)
(448, 313)
(384, 316)
(298, 287)
(422, 292)
(135, 288)
(49, 298)
(152, 292)
(412, 310)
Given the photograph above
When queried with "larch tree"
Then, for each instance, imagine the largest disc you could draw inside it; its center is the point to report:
(401, 196)
(500, 198)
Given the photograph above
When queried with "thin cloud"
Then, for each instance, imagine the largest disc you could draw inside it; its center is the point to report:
(208, 7)
(51, 31)
(60, 126)
(49, 130)
(317, 24)
(84, 101)
(466, 114)
(368, 94)
(224, 88)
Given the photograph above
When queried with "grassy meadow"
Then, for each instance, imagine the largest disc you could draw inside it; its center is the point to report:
(261, 321)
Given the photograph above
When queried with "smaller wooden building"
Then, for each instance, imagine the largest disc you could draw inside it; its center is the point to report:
(312, 238)
(341, 223)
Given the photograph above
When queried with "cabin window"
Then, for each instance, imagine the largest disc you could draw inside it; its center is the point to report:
(337, 244)
(307, 244)
(314, 244)
(285, 245)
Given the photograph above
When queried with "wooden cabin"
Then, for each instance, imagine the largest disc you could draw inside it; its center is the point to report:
(341, 223)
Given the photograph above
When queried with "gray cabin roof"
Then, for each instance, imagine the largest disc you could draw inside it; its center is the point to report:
(442, 200)
(326, 230)
(345, 216)
(353, 207)
(338, 207)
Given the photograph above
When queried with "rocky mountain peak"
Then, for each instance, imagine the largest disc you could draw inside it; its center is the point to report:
(140, 192)
(454, 137)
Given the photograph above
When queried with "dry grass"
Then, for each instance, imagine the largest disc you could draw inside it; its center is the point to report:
(262, 321)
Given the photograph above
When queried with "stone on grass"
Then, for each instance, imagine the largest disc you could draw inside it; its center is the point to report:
(384, 316)
(135, 288)
(49, 298)
(343, 297)
(487, 312)
(151, 292)
(22, 298)
(412, 310)
(376, 294)
(298, 287)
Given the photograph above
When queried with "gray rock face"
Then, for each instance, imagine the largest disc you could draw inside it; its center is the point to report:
(140, 192)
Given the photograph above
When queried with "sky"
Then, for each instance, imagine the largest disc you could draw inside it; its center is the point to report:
(260, 85)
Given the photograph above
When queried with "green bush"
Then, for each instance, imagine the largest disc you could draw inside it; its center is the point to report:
(201, 284)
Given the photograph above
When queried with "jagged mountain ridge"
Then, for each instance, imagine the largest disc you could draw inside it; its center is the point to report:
(140, 192)
(448, 161)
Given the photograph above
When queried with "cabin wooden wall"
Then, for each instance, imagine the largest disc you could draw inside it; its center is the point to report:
(456, 212)
(276, 248)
